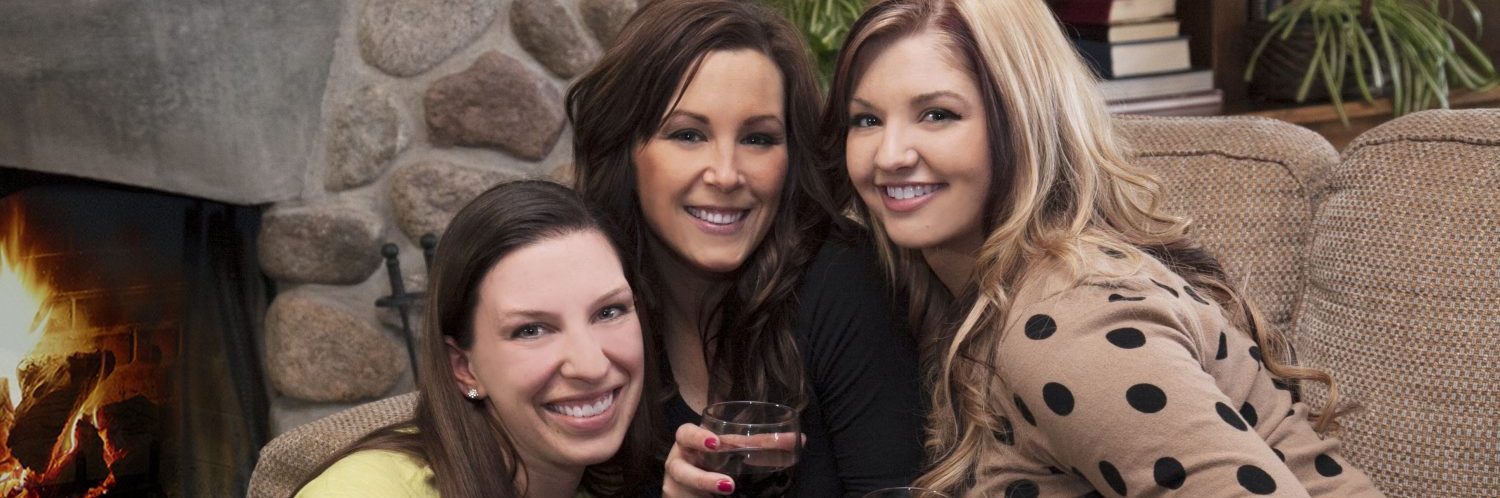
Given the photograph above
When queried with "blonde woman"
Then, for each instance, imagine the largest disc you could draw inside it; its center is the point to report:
(1079, 342)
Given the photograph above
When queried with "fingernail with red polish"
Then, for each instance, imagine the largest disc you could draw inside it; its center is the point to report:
(711, 443)
(725, 486)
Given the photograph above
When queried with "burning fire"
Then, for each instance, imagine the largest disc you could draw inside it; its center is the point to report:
(24, 318)
(22, 313)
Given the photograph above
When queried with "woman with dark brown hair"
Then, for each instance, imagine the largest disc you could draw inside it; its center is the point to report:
(532, 366)
(694, 136)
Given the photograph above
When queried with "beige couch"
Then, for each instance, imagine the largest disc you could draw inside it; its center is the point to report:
(1383, 266)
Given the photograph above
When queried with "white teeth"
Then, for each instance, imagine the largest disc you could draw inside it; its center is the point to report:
(717, 217)
(586, 410)
(909, 192)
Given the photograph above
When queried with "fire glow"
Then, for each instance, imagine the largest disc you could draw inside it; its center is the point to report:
(25, 318)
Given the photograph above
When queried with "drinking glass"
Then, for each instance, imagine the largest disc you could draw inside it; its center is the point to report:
(905, 493)
(758, 445)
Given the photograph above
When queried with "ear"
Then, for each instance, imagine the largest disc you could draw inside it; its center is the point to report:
(458, 362)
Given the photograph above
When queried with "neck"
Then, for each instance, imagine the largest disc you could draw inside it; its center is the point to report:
(687, 288)
(546, 480)
(953, 262)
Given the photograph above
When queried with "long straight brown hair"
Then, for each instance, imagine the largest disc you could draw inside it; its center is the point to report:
(467, 446)
(619, 105)
(1061, 184)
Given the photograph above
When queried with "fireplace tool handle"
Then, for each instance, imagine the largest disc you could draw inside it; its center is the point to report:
(400, 300)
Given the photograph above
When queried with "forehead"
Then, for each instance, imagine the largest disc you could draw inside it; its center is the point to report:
(553, 273)
(913, 64)
(732, 81)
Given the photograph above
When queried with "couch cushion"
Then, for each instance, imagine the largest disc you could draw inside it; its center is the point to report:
(1403, 301)
(286, 461)
(1247, 184)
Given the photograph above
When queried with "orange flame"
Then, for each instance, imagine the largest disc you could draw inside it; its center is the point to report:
(23, 311)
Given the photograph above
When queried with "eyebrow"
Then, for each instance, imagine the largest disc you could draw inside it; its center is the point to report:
(752, 120)
(540, 315)
(918, 100)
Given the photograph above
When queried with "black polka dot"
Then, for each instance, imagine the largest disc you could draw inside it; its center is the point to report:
(1281, 384)
(1117, 297)
(1113, 253)
(1169, 473)
(1023, 488)
(1255, 352)
(1112, 477)
(1255, 480)
(1279, 454)
(1040, 327)
(1247, 411)
(1025, 412)
(1223, 348)
(1291, 411)
(1126, 338)
(1058, 398)
(1230, 417)
(1146, 398)
(1169, 290)
(1327, 466)
(1006, 433)
(1194, 294)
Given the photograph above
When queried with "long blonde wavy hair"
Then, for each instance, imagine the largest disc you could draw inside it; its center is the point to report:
(1061, 183)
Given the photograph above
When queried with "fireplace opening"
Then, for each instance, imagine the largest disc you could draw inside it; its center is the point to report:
(128, 362)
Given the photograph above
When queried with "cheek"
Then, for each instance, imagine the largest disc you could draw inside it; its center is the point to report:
(514, 373)
(625, 350)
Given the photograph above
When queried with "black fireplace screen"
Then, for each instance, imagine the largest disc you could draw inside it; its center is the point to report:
(127, 354)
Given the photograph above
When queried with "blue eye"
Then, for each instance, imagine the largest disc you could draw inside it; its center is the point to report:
(761, 139)
(940, 115)
(863, 121)
(528, 331)
(611, 312)
(687, 136)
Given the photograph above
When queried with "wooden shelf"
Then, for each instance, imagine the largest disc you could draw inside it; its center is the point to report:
(1357, 109)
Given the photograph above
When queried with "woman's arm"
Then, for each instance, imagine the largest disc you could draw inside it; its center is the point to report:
(866, 416)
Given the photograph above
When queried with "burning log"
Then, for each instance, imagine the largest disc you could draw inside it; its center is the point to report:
(55, 389)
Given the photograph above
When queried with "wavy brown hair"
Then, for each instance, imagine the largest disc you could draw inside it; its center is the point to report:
(1061, 183)
(450, 430)
(620, 104)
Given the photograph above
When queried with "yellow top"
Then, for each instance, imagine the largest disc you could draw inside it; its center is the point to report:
(377, 474)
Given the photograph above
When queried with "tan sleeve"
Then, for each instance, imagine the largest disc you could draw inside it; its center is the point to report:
(1117, 391)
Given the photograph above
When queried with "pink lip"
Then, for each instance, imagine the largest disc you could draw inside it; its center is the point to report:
(906, 205)
(716, 229)
(588, 425)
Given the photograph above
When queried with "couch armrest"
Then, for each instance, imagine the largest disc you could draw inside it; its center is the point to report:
(1403, 301)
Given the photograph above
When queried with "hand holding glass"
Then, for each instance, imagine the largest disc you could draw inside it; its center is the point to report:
(758, 445)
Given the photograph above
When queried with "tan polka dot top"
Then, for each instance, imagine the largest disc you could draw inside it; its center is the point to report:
(1131, 383)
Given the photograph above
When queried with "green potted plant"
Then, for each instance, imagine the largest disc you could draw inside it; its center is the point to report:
(824, 23)
(1359, 47)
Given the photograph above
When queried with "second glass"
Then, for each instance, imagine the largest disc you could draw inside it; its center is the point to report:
(758, 446)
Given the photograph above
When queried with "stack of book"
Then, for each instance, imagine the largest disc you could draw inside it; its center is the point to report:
(1137, 48)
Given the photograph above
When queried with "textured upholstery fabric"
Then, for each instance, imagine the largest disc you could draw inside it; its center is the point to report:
(1248, 185)
(286, 461)
(1403, 302)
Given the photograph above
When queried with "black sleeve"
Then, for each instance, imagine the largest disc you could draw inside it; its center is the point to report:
(865, 415)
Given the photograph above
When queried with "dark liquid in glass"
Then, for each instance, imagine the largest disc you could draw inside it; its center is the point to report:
(757, 472)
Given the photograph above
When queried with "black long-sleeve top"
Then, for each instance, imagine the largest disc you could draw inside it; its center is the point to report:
(864, 415)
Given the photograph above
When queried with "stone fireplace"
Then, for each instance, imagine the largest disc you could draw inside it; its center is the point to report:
(344, 125)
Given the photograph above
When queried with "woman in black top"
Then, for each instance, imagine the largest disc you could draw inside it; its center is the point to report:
(693, 134)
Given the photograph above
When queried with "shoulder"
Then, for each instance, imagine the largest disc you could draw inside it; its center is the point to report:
(843, 255)
(1116, 299)
(373, 473)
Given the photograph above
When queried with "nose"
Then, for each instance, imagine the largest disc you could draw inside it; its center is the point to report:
(584, 357)
(723, 170)
(895, 153)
